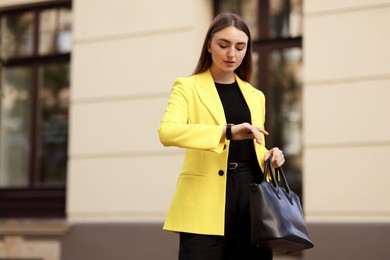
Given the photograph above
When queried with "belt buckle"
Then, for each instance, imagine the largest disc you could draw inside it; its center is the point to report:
(233, 166)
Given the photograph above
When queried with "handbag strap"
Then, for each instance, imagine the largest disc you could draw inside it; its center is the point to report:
(274, 181)
(268, 168)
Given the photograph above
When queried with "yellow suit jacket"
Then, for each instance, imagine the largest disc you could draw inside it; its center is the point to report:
(194, 119)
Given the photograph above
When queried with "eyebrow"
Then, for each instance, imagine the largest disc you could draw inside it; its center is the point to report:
(224, 40)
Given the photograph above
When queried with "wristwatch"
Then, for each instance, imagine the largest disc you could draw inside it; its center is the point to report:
(229, 131)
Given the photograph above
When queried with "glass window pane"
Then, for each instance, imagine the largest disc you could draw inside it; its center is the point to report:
(230, 6)
(17, 35)
(55, 31)
(15, 126)
(285, 78)
(296, 18)
(247, 9)
(54, 100)
(285, 18)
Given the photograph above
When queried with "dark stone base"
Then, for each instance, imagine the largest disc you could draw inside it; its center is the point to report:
(119, 241)
(349, 241)
(147, 241)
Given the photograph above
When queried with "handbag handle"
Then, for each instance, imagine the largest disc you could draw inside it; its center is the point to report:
(268, 167)
(274, 181)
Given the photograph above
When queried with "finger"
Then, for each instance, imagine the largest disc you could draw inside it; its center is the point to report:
(266, 155)
(253, 133)
(274, 159)
(277, 163)
(274, 152)
(279, 158)
(262, 130)
(257, 136)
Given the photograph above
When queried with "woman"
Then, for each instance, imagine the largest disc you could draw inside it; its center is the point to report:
(219, 118)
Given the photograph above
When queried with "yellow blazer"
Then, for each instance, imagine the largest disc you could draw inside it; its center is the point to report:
(194, 119)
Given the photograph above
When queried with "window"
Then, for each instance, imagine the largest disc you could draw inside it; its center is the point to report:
(276, 28)
(34, 109)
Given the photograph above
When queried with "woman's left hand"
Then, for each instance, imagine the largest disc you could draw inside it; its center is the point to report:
(277, 157)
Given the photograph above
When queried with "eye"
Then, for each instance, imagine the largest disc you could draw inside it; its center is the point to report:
(223, 46)
(240, 48)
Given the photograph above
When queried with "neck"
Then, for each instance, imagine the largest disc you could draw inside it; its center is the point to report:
(222, 76)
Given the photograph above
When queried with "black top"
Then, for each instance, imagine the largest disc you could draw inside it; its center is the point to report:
(236, 112)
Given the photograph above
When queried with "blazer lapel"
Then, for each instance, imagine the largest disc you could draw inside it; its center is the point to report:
(208, 94)
(251, 101)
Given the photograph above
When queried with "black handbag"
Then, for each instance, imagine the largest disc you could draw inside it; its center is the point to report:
(277, 220)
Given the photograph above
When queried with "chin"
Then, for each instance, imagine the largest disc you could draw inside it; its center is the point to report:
(230, 69)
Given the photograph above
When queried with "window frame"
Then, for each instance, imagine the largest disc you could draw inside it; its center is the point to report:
(34, 200)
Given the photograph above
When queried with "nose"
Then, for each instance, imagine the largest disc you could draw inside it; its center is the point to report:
(231, 53)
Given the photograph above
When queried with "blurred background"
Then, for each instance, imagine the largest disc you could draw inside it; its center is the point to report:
(84, 84)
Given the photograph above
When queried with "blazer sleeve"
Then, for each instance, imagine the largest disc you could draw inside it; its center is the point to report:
(259, 120)
(174, 129)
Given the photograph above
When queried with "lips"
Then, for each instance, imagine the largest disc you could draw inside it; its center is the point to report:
(230, 63)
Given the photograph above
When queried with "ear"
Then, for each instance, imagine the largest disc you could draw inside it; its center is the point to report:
(209, 46)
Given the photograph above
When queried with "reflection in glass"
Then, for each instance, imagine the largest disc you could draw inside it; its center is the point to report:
(15, 127)
(285, 74)
(17, 36)
(54, 102)
(55, 31)
(285, 18)
(247, 9)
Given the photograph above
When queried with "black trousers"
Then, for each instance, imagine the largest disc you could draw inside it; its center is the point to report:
(235, 245)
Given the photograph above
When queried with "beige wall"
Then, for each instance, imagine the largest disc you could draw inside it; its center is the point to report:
(125, 57)
(346, 126)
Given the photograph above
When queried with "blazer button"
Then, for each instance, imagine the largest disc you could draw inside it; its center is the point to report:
(220, 172)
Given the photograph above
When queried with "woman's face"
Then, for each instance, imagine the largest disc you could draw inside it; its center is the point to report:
(227, 47)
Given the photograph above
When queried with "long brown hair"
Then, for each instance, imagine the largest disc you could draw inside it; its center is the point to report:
(221, 21)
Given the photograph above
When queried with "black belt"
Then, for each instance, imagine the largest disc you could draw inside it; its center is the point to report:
(236, 165)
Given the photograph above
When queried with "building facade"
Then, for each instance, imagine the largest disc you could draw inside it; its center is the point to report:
(122, 59)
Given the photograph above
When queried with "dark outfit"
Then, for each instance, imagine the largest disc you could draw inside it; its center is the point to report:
(235, 245)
